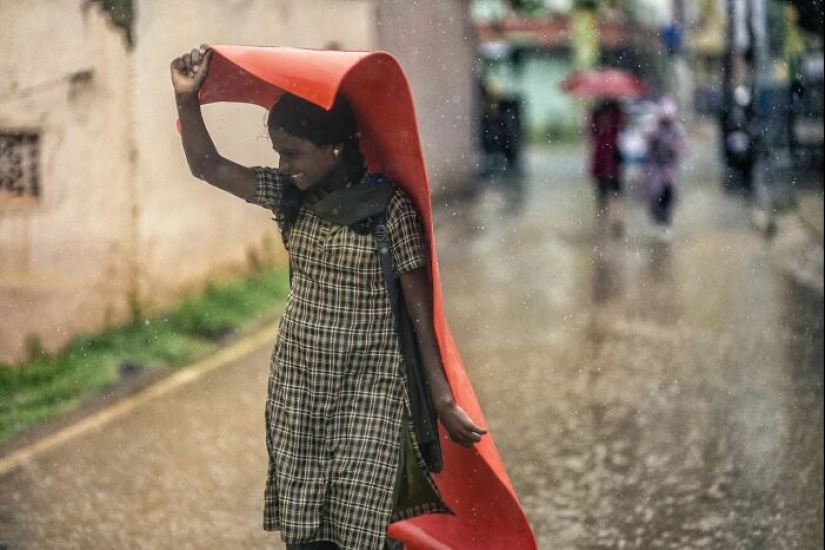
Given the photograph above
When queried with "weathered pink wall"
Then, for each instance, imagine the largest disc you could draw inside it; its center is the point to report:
(65, 257)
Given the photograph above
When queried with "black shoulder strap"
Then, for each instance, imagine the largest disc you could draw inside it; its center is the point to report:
(382, 243)
(424, 419)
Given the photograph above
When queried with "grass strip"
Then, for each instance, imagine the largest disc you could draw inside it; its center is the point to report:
(49, 386)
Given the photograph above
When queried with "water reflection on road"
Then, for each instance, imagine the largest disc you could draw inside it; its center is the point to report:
(651, 391)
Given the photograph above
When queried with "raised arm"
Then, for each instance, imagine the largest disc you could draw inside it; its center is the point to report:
(188, 73)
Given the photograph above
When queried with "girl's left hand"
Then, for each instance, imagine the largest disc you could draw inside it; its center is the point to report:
(460, 426)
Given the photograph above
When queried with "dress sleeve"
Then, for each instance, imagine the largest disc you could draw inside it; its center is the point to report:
(408, 243)
(270, 185)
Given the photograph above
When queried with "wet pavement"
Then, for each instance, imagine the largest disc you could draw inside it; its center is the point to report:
(654, 390)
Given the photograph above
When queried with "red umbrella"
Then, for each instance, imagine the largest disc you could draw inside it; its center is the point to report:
(604, 83)
(473, 483)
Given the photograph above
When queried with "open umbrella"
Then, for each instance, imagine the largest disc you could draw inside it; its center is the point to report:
(473, 482)
(604, 84)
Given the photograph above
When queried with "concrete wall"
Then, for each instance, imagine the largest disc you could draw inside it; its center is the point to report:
(435, 43)
(120, 221)
(64, 256)
(219, 233)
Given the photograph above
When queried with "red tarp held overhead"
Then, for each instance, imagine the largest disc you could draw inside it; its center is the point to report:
(473, 483)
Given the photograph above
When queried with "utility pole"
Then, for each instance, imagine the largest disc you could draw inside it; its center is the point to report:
(736, 118)
(728, 58)
(680, 13)
(681, 87)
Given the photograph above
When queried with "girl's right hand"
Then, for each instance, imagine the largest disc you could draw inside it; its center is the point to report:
(190, 70)
(460, 426)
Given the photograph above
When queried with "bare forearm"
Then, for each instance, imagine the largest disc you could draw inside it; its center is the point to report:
(204, 160)
(197, 143)
(434, 368)
(418, 298)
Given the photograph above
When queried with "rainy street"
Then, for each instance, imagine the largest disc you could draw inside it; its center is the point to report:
(645, 392)
(649, 390)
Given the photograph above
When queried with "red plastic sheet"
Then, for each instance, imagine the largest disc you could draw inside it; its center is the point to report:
(473, 483)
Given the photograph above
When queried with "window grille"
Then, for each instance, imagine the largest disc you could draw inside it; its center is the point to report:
(19, 161)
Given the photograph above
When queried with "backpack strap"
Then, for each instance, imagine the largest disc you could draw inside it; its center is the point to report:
(423, 416)
(382, 244)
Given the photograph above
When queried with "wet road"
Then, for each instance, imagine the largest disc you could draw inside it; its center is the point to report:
(646, 392)
(649, 391)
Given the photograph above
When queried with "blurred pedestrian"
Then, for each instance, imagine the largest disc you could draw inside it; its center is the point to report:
(739, 144)
(501, 131)
(336, 423)
(666, 147)
(606, 123)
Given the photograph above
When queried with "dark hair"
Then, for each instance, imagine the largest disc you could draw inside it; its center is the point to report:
(306, 120)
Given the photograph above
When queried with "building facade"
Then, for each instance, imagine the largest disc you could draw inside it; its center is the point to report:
(529, 57)
(99, 216)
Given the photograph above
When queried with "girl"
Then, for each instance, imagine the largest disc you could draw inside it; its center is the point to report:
(336, 412)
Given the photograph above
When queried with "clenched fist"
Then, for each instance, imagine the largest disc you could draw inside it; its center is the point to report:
(190, 69)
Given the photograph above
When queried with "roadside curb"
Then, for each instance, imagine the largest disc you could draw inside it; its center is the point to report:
(179, 378)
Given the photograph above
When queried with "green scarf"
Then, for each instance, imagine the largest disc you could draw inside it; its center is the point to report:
(351, 204)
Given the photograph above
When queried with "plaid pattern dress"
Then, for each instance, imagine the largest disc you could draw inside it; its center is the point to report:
(336, 395)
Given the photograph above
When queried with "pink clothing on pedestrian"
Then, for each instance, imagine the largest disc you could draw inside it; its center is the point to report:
(666, 147)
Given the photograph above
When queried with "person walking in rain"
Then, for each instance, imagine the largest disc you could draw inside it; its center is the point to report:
(606, 163)
(336, 417)
(666, 147)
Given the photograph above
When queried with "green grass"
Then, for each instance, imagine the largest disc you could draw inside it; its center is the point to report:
(50, 386)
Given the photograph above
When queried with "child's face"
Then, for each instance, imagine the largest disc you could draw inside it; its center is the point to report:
(309, 165)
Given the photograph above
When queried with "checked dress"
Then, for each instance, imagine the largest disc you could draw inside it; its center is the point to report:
(336, 396)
